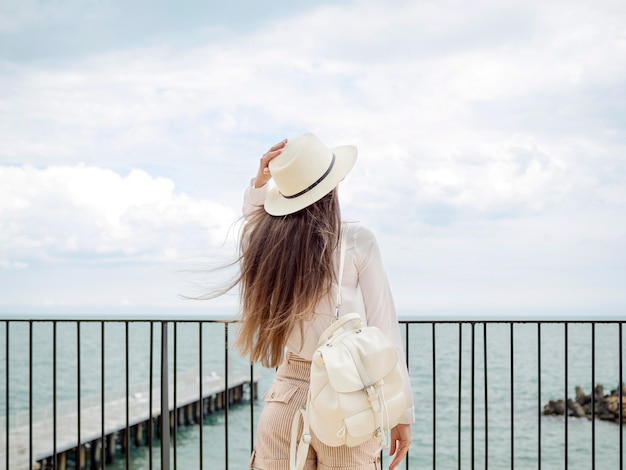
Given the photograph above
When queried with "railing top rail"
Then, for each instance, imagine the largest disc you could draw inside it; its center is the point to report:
(225, 316)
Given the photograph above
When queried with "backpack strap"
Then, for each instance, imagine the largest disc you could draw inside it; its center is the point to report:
(297, 459)
(342, 259)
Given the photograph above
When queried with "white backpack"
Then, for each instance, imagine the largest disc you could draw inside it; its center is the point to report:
(357, 388)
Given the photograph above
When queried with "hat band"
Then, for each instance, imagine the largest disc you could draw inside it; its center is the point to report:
(321, 178)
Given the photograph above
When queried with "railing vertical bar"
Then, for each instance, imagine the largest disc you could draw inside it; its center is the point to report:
(226, 393)
(539, 396)
(512, 365)
(472, 414)
(164, 422)
(102, 436)
(486, 396)
(593, 396)
(406, 357)
(621, 397)
(79, 461)
(127, 432)
(459, 395)
(252, 388)
(434, 396)
(565, 397)
(30, 394)
(6, 397)
(175, 366)
(150, 405)
(54, 395)
(201, 401)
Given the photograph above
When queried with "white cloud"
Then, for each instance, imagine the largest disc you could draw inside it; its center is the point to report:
(66, 213)
(514, 177)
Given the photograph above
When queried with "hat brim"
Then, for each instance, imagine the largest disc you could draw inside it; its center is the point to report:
(276, 204)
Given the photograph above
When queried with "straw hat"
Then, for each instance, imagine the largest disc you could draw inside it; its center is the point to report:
(304, 172)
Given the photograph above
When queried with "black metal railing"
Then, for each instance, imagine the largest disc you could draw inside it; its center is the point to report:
(462, 421)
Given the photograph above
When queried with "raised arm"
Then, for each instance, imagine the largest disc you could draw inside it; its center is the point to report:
(256, 191)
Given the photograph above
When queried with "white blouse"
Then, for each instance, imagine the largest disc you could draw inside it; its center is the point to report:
(364, 289)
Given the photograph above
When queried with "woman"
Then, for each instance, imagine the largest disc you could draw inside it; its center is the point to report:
(289, 251)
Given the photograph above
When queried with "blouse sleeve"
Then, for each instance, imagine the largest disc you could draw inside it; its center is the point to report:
(253, 198)
(380, 309)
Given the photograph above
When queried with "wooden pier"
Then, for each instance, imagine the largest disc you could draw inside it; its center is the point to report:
(140, 421)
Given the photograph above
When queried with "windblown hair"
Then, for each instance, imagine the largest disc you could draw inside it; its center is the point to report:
(287, 267)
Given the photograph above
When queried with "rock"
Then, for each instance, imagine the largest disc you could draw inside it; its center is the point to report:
(559, 406)
(576, 409)
(612, 404)
(581, 398)
(599, 392)
(554, 408)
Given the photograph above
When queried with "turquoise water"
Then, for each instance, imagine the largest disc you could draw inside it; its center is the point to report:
(526, 404)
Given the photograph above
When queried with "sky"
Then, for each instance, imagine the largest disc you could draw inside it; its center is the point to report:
(491, 137)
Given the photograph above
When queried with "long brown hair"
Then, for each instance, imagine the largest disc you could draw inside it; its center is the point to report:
(287, 267)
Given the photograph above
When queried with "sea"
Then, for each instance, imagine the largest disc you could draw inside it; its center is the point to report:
(449, 363)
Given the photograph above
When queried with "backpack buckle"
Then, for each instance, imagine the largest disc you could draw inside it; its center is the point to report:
(372, 393)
